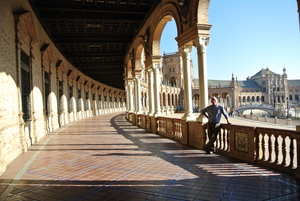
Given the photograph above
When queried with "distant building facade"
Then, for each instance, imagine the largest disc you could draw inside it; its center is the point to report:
(265, 87)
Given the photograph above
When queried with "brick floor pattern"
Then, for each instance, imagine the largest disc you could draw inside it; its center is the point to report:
(107, 158)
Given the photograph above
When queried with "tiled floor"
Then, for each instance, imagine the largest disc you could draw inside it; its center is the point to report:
(106, 158)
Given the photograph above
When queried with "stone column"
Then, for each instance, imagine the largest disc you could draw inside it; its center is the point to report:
(127, 96)
(201, 44)
(156, 89)
(150, 92)
(130, 97)
(186, 59)
(138, 103)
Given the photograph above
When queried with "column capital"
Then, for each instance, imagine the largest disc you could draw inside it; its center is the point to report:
(151, 60)
(137, 77)
(149, 69)
(130, 82)
(185, 50)
(201, 43)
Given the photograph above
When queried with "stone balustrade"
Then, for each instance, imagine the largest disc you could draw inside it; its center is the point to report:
(274, 148)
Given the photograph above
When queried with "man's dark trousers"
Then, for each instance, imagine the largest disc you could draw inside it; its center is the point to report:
(213, 131)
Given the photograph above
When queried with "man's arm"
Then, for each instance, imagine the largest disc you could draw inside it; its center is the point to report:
(225, 115)
(204, 113)
(227, 120)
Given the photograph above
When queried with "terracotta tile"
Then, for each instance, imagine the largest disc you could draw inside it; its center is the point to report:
(93, 159)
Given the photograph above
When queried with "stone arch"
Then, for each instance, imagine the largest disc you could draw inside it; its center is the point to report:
(139, 55)
(173, 81)
(128, 71)
(215, 94)
(52, 123)
(244, 99)
(63, 107)
(199, 9)
(80, 108)
(72, 104)
(224, 94)
(160, 25)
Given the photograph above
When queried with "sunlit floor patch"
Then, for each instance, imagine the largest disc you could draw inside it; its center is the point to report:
(232, 169)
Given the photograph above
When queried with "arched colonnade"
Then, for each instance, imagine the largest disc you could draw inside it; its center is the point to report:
(145, 61)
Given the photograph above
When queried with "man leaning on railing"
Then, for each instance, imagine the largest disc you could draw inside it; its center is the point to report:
(214, 114)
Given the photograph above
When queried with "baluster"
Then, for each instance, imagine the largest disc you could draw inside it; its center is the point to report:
(294, 154)
(176, 130)
(222, 143)
(260, 149)
(287, 159)
(279, 152)
(272, 147)
(218, 140)
(221, 146)
(266, 147)
(180, 129)
(227, 140)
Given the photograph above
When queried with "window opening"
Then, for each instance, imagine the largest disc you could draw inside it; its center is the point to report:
(25, 85)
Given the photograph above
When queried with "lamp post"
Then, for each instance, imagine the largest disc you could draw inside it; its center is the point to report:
(251, 107)
(287, 107)
(273, 91)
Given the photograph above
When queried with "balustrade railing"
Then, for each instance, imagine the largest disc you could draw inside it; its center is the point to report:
(274, 148)
(277, 148)
(223, 140)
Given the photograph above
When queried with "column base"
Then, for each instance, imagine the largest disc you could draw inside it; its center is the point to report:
(188, 117)
(202, 119)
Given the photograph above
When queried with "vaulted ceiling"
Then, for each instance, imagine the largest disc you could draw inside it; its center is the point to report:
(94, 35)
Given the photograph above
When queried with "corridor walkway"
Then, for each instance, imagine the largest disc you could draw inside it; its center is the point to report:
(106, 158)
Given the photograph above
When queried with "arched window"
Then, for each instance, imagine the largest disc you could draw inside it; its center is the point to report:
(173, 82)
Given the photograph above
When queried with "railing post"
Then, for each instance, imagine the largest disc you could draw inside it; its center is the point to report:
(153, 124)
(196, 134)
(185, 132)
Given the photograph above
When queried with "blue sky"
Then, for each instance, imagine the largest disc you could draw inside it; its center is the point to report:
(246, 36)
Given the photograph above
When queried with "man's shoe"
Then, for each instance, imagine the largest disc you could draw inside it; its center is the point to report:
(207, 150)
